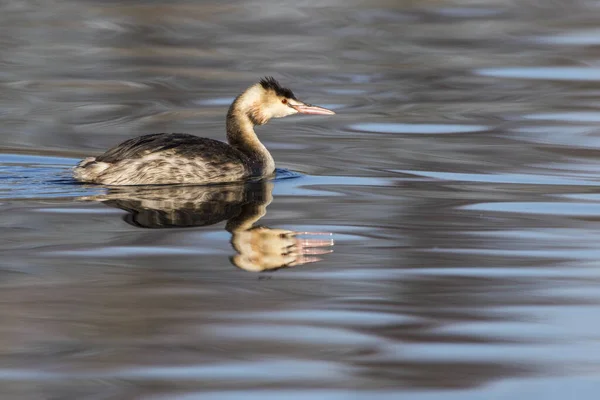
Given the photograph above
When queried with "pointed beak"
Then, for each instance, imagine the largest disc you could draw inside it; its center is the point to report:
(310, 109)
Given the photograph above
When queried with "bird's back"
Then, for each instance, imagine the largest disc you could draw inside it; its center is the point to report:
(165, 159)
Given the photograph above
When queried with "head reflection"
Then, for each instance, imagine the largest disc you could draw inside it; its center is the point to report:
(258, 248)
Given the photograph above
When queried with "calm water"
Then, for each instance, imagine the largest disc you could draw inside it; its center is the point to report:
(459, 181)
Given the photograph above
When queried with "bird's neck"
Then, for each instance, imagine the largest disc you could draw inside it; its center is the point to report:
(241, 135)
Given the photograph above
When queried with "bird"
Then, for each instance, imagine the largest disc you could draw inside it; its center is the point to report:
(181, 158)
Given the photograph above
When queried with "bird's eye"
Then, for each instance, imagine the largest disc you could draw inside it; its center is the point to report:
(284, 101)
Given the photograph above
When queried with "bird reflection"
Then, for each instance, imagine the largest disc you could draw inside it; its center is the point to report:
(258, 248)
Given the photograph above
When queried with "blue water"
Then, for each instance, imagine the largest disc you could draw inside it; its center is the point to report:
(436, 239)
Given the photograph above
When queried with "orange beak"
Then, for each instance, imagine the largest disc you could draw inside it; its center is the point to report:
(312, 110)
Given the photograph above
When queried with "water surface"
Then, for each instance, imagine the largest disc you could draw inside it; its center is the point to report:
(458, 179)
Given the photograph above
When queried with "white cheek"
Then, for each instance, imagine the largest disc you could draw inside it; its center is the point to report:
(284, 111)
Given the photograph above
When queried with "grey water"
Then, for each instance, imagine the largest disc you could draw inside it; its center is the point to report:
(452, 204)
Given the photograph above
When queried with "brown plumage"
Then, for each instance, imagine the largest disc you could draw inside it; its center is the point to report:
(178, 158)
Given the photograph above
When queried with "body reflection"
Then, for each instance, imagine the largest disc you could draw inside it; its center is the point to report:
(258, 248)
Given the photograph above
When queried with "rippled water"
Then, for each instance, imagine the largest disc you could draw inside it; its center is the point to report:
(458, 181)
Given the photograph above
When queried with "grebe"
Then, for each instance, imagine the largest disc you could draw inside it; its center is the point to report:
(179, 158)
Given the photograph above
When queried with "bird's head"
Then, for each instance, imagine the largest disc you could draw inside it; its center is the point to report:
(268, 99)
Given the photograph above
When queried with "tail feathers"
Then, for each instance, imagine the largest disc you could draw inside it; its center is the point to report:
(88, 169)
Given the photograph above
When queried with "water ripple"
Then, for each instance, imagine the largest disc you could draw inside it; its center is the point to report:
(546, 73)
(380, 127)
(540, 208)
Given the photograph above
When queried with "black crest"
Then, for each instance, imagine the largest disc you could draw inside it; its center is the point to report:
(269, 82)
